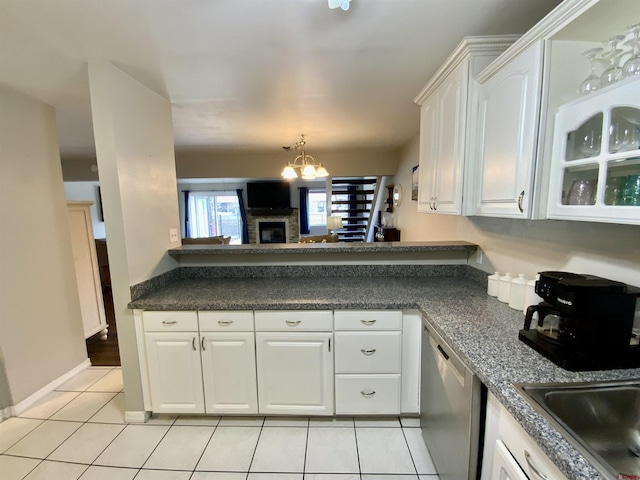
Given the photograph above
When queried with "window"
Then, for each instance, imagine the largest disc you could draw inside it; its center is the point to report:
(317, 208)
(215, 213)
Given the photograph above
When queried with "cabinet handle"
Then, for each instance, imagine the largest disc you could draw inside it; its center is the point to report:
(368, 394)
(225, 323)
(435, 203)
(169, 322)
(202, 343)
(431, 204)
(293, 323)
(193, 343)
(527, 457)
(368, 351)
(367, 322)
(520, 197)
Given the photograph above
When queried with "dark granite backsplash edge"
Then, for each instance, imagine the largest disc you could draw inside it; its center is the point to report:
(275, 271)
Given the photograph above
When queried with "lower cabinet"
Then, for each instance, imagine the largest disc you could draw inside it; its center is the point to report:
(229, 372)
(175, 372)
(295, 373)
(278, 362)
(509, 452)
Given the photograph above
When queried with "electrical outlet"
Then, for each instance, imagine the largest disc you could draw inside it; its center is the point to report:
(173, 235)
(479, 256)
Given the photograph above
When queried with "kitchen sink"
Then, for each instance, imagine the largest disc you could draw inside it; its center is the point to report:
(602, 420)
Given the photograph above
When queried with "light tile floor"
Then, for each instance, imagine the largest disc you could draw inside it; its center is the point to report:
(78, 432)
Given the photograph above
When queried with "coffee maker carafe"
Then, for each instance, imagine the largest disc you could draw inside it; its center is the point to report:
(584, 322)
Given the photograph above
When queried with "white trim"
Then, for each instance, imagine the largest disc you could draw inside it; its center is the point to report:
(48, 388)
(6, 413)
(142, 358)
(137, 416)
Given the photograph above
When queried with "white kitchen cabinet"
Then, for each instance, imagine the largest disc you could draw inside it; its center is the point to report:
(174, 371)
(295, 373)
(509, 452)
(501, 168)
(368, 361)
(445, 106)
(228, 357)
(596, 157)
(85, 261)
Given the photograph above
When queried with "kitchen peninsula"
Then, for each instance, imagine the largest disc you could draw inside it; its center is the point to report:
(450, 297)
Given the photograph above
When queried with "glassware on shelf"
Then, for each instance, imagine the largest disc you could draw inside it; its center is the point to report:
(614, 72)
(592, 82)
(582, 192)
(613, 190)
(632, 66)
(590, 143)
(631, 191)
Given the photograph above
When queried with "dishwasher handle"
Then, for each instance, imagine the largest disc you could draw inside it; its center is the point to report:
(442, 352)
(449, 361)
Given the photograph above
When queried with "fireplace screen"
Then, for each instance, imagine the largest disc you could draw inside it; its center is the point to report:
(272, 232)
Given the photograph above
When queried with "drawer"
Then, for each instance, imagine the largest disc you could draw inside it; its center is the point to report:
(368, 319)
(368, 394)
(368, 352)
(525, 450)
(294, 320)
(170, 321)
(229, 321)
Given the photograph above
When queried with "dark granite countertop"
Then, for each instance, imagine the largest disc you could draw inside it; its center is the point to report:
(483, 331)
(323, 248)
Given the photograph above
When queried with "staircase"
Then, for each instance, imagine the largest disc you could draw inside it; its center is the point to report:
(354, 199)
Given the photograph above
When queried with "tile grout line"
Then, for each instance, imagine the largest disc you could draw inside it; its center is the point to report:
(215, 427)
(306, 449)
(264, 419)
(158, 444)
(355, 435)
(410, 453)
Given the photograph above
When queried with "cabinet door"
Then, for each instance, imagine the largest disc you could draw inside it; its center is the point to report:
(175, 374)
(447, 175)
(295, 373)
(229, 372)
(509, 104)
(505, 466)
(428, 146)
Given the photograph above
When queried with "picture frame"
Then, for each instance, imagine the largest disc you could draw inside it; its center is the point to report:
(414, 183)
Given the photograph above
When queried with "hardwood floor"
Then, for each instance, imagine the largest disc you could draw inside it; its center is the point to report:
(105, 353)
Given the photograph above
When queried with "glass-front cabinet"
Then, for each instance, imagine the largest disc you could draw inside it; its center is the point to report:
(595, 171)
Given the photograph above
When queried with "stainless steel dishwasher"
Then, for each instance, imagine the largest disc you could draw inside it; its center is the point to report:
(451, 407)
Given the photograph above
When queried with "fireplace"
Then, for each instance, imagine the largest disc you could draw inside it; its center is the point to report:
(272, 231)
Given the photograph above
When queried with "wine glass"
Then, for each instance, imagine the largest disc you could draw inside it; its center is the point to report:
(632, 65)
(592, 82)
(614, 72)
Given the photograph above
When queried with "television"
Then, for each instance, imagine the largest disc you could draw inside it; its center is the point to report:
(268, 195)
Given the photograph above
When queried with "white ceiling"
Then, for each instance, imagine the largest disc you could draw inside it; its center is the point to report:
(250, 74)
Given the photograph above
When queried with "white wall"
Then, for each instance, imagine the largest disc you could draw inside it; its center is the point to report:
(525, 246)
(134, 146)
(41, 334)
(87, 191)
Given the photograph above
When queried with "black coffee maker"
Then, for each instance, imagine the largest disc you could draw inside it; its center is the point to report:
(584, 323)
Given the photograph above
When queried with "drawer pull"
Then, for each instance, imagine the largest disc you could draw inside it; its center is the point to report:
(202, 344)
(368, 394)
(193, 343)
(169, 322)
(367, 322)
(225, 323)
(368, 351)
(293, 323)
(527, 457)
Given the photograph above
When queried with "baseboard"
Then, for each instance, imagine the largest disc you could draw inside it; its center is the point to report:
(25, 404)
(137, 416)
(6, 413)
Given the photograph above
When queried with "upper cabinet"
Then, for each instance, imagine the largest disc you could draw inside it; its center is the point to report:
(524, 154)
(596, 157)
(501, 176)
(445, 104)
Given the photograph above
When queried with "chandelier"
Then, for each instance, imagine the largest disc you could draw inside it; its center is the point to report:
(305, 163)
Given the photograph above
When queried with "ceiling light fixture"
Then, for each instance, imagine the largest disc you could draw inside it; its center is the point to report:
(305, 163)
(343, 4)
